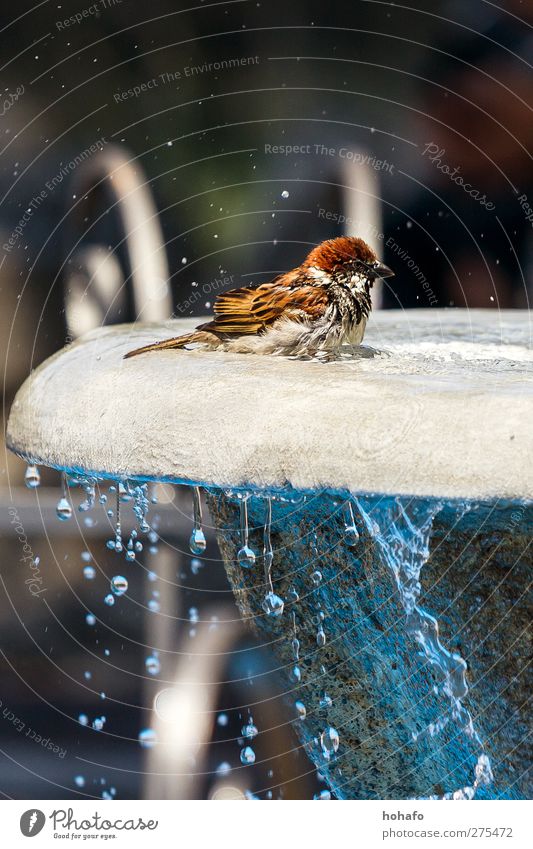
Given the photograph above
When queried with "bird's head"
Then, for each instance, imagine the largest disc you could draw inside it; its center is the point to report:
(346, 259)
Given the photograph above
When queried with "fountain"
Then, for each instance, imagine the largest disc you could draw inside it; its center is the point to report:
(374, 515)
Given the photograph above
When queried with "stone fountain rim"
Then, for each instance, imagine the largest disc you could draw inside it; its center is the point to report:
(353, 404)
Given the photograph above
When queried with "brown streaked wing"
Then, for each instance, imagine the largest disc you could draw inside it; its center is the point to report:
(250, 310)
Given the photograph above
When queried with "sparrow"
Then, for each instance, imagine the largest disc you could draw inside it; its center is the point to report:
(313, 309)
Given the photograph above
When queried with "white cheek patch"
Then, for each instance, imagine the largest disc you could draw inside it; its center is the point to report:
(357, 283)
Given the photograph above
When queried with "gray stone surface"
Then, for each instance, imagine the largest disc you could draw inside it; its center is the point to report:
(440, 404)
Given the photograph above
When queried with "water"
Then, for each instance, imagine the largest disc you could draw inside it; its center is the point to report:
(247, 756)
(399, 529)
(32, 477)
(197, 542)
(402, 536)
(245, 555)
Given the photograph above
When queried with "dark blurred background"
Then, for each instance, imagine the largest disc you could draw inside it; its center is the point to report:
(259, 127)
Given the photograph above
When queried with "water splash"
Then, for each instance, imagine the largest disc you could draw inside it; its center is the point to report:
(402, 539)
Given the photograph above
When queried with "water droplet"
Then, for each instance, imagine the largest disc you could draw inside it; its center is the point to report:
(197, 542)
(329, 741)
(147, 738)
(109, 600)
(98, 723)
(273, 605)
(316, 577)
(323, 795)
(90, 619)
(351, 536)
(86, 556)
(79, 781)
(223, 769)
(285, 194)
(32, 478)
(130, 556)
(296, 674)
(119, 585)
(63, 510)
(222, 720)
(320, 638)
(153, 665)
(111, 544)
(249, 731)
(326, 701)
(301, 710)
(247, 755)
(89, 572)
(246, 557)
(154, 606)
(83, 719)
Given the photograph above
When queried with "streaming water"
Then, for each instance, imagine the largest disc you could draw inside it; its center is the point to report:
(401, 534)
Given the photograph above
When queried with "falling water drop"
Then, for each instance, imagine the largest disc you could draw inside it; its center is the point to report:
(109, 600)
(326, 701)
(119, 585)
(329, 741)
(118, 531)
(316, 577)
(321, 638)
(32, 477)
(323, 795)
(153, 665)
(296, 674)
(247, 755)
(89, 573)
(273, 605)
(88, 486)
(79, 781)
(284, 194)
(301, 710)
(197, 542)
(249, 731)
(245, 555)
(63, 510)
(351, 534)
(147, 738)
(90, 619)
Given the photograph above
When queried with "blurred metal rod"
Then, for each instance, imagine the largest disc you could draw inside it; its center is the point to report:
(143, 237)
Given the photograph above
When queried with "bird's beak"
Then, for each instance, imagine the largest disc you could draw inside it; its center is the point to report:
(382, 270)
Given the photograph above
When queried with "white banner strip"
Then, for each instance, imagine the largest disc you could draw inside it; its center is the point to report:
(225, 825)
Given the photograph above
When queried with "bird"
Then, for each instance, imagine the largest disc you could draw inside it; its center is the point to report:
(314, 309)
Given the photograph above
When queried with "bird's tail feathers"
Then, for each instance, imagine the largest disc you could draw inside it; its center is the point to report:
(167, 344)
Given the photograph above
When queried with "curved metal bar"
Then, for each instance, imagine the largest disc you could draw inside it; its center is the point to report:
(104, 294)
